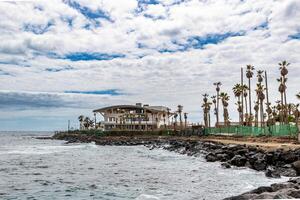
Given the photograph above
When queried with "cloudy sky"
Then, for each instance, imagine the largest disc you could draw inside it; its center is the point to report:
(63, 58)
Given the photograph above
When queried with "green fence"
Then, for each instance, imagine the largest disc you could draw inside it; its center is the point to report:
(275, 130)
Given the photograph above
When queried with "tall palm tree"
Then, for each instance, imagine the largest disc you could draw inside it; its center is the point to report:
(214, 101)
(249, 75)
(225, 98)
(256, 109)
(260, 94)
(185, 119)
(284, 71)
(175, 120)
(296, 113)
(281, 89)
(217, 84)
(245, 89)
(80, 119)
(180, 107)
(261, 97)
(86, 122)
(237, 90)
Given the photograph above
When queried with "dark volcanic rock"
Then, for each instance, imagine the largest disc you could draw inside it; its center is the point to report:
(272, 173)
(238, 161)
(226, 165)
(287, 190)
(211, 157)
(259, 164)
(296, 166)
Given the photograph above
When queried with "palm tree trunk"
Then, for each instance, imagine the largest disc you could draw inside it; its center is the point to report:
(242, 83)
(250, 108)
(217, 112)
(282, 108)
(246, 106)
(286, 108)
(208, 120)
(262, 114)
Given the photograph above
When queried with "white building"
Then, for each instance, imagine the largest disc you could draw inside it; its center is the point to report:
(134, 117)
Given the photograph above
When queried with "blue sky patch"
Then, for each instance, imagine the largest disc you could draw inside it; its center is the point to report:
(3, 73)
(87, 12)
(112, 92)
(295, 36)
(79, 56)
(198, 42)
(59, 69)
(37, 28)
(263, 25)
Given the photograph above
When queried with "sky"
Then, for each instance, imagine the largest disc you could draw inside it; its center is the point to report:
(63, 58)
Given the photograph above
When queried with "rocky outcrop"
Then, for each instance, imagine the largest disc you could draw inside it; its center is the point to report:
(275, 163)
(287, 190)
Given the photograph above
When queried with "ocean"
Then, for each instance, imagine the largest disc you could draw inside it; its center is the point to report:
(50, 169)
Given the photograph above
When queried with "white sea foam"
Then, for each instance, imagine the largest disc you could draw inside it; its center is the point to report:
(147, 197)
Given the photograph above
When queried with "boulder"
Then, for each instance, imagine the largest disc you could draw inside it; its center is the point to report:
(262, 189)
(226, 165)
(211, 157)
(289, 157)
(272, 173)
(296, 166)
(222, 157)
(289, 172)
(259, 165)
(238, 161)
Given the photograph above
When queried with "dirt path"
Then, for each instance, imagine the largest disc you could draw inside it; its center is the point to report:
(267, 143)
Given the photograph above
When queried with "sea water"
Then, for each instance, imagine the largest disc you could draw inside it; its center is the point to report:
(50, 169)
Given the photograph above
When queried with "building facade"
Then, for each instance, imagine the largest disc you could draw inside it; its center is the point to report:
(134, 117)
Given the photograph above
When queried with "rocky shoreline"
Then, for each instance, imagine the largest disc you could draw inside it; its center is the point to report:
(274, 163)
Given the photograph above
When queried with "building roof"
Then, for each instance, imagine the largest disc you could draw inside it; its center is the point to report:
(135, 107)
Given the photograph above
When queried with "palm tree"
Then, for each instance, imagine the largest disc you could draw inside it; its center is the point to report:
(180, 107)
(244, 89)
(261, 97)
(296, 113)
(256, 109)
(175, 120)
(185, 119)
(80, 118)
(260, 94)
(217, 84)
(249, 75)
(281, 89)
(214, 101)
(87, 122)
(237, 90)
(225, 98)
(284, 71)
(206, 110)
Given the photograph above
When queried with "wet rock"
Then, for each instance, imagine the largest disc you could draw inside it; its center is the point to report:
(211, 157)
(226, 165)
(289, 172)
(238, 161)
(259, 165)
(222, 157)
(296, 166)
(272, 173)
(288, 157)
